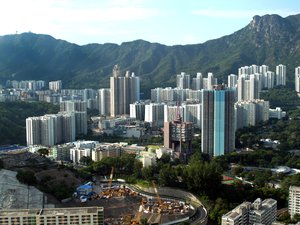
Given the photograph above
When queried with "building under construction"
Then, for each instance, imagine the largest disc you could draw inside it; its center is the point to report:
(178, 135)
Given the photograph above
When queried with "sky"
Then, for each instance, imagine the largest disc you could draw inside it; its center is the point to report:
(168, 22)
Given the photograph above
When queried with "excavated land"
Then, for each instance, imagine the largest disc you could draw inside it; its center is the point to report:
(123, 206)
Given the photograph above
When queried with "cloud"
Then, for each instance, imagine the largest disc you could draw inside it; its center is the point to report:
(239, 14)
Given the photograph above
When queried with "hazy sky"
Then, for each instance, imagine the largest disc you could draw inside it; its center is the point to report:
(168, 22)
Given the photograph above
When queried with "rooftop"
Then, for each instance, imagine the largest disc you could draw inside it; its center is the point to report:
(50, 211)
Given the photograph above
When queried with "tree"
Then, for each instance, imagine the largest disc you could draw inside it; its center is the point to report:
(85, 160)
(237, 170)
(167, 176)
(26, 177)
(43, 151)
(137, 169)
(147, 173)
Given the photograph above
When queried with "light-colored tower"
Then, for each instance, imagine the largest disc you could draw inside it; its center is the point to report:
(124, 90)
(294, 200)
(297, 79)
(280, 75)
(33, 130)
(197, 83)
(192, 113)
(154, 114)
(137, 110)
(104, 101)
(232, 80)
(55, 85)
(183, 80)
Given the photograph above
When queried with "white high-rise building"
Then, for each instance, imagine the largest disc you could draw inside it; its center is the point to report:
(294, 200)
(192, 113)
(269, 80)
(258, 212)
(297, 79)
(154, 114)
(183, 80)
(250, 113)
(171, 113)
(197, 83)
(104, 101)
(50, 129)
(232, 80)
(137, 110)
(79, 108)
(263, 69)
(55, 85)
(209, 82)
(248, 87)
(194, 95)
(33, 128)
(280, 75)
(124, 90)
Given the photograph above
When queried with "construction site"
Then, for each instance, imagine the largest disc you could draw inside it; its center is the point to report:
(124, 205)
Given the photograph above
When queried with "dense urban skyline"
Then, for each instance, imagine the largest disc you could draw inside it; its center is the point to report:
(118, 21)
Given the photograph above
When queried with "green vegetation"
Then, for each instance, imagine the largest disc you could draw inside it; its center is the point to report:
(283, 97)
(43, 57)
(26, 177)
(286, 131)
(13, 119)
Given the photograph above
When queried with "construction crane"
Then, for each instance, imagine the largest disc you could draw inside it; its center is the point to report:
(137, 218)
(111, 177)
(107, 192)
(159, 201)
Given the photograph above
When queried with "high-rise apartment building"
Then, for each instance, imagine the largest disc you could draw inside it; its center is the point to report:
(104, 101)
(50, 129)
(297, 79)
(137, 110)
(218, 121)
(183, 81)
(280, 75)
(79, 109)
(33, 127)
(294, 200)
(124, 90)
(197, 82)
(263, 212)
(232, 80)
(250, 113)
(192, 113)
(248, 87)
(209, 82)
(178, 135)
(154, 114)
(269, 80)
(57, 216)
(55, 85)
(171, 112)
(247, 213)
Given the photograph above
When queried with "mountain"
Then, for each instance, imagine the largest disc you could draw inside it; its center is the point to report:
(269, 40)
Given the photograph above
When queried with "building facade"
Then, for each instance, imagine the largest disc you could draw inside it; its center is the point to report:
(294, 200)
(124, 90)
(258, 212)
(55, 216)
(218, 121)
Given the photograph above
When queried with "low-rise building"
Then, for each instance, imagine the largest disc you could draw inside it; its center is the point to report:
(294, 200)
(147, 158)
(258, 212)
(103, 150)
(45, 216)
